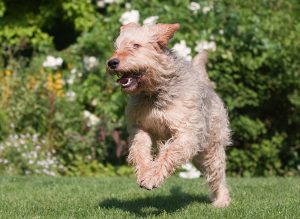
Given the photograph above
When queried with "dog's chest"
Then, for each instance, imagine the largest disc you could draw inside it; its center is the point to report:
(154, 121)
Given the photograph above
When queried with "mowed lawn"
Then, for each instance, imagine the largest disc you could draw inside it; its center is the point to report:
(120, 197)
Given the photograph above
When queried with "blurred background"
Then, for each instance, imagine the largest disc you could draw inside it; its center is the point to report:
(62, 114)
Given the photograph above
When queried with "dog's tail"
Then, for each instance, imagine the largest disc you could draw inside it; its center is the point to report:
(199, 63)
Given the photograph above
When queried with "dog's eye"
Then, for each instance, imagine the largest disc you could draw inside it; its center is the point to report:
(136, 46)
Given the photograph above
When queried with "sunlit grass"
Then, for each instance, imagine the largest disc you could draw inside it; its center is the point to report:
(120, 197)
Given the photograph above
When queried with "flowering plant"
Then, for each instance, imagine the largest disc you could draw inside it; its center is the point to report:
(54, 83)
(27, 154)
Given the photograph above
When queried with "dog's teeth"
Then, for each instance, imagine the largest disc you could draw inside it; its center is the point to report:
(128, 82)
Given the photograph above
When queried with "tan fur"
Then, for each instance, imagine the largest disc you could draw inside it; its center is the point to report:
(173, 113)
(199, 62)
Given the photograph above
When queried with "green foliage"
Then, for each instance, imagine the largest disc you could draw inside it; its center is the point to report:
(96, 169)
(2, 8)
(82, 13)
(76, 106)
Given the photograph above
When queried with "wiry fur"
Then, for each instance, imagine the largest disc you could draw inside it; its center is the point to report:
(173, 115)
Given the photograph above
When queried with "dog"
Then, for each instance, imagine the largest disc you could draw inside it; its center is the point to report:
(173, 112)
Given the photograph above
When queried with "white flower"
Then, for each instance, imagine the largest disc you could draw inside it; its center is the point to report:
(94, 102)
(150, 20)
(89, 157)
(73, 71)
(46, 171)
(71, 79)
(43, 163)
(13, 137)
(206, 9)
(37, 171)
(90, 62)
(127, 5)
(110, 1)
(35, 137)
(100, 3)
(4, 161)
(194, 7)
(221, 31)
(52, 62)
(205, 45)
(190, 173)
(71, 96)
(51, 173)
(33, 154)
(182, 50)
(91, 118)
(103, 3)
(130, 16)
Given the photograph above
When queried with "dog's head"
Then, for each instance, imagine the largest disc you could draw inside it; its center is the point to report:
(140, 55)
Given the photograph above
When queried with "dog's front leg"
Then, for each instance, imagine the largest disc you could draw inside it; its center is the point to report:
(140, 152)
(174, 153)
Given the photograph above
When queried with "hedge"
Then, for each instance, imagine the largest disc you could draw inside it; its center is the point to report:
(65, 115)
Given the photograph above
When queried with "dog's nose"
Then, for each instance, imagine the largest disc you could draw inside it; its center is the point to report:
(113, 63)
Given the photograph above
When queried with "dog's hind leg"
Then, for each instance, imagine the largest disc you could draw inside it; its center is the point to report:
(211, 163)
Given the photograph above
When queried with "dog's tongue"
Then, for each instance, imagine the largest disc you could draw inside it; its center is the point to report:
(123, 80)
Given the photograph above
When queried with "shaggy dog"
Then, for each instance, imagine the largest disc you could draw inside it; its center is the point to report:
(173, 113)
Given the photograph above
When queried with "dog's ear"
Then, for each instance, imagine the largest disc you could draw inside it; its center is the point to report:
(129, 26)
(164, 32)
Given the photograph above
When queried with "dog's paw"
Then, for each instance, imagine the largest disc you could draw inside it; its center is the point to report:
(149, 184)
(150, 180)
(222, 202)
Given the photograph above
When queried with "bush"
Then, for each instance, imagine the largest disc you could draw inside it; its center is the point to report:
(27, 154)
(77, 108)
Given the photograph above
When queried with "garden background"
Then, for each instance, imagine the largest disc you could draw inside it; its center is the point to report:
(62, 114)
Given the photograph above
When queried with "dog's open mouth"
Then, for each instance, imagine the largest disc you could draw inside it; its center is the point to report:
(128, 79)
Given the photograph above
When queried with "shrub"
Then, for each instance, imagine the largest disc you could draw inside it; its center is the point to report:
(79, 110)
(27, 154)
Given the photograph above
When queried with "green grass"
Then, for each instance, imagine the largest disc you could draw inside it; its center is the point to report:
(119, 197)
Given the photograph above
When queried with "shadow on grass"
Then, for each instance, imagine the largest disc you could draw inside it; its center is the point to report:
(155, 205)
